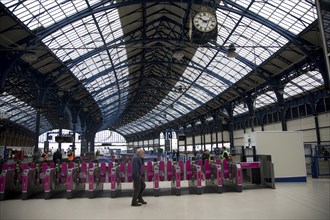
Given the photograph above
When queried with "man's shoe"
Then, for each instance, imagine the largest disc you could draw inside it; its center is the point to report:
(142, 202)
(136, 204)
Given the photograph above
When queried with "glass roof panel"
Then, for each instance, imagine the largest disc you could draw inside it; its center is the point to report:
(45, 12)
(293, 15)
(265, 99)
(240, 109)
(21, 113)
(256, 42)
(303, 83)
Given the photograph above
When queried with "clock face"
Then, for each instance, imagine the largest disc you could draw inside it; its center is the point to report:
(205, 21)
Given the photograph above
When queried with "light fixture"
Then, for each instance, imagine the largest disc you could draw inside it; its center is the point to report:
(231, 51)
(178, 54)
(30, 57)
(60, 93)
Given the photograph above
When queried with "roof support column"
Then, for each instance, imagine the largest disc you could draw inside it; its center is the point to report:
(279, 90)
(36, 138)
(324, 44)
(230, 112)
(316, 120)
(216, 122)
(193, 136)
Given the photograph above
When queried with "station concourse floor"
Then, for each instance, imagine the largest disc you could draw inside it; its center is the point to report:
(307, 200)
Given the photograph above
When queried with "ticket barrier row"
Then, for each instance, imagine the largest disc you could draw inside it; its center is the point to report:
(216, 174)
(29, 179)
(72, 179)
(173, 172)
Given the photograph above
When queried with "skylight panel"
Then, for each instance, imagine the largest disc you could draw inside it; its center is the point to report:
(265, 99)
(20, 112)
(293, 15)
(303, 83)
(44, 12)
(240, 109)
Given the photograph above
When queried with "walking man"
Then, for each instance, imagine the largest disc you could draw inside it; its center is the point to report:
(138, 182)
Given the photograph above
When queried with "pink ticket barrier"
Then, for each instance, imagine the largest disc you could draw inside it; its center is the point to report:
(150, 171)
(195, 182)
(199, 179)
(216, 178)
(181, 165)
(103, 172)
(207, 169)
(42, 175)
(236, 175)
(169, 171)
(114, 184)
(83, 173)
(74, 184)
(177, 180)
(30, 181)
(188, 170)
(129, 171)
(4, 177)
(161, 171)
(94, 185)
(122, 172)
(156, 180)
(10, 181)
(110, 166)
(64, 172)
(225, 166)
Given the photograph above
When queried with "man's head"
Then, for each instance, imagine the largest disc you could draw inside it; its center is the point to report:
(223, 148)
(140, 152)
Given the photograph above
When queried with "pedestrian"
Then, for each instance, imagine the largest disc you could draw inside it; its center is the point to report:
(57, 156)
(138, 182)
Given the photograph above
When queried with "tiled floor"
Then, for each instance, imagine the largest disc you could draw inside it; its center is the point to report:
(309, 200)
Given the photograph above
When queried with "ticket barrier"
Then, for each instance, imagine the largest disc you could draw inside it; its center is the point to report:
(214, 181)
(31, 183)
(122, 172)
(150, 171)
(195, 182)
(169, 171)
(232, 175)
(129, 172)
(73, 184)
(161, 171)
(94, 180)
(156, 180)
(110, 166)
(10, 180)
(115, 184)
(55, 180)
(176, 181)
(265, 174)
(182, 170)
(188, 170)
(83, 174)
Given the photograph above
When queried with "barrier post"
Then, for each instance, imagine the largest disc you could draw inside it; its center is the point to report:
(177, 180)
(199, 179)
(219, 178)
(113, 182)
(156, 181)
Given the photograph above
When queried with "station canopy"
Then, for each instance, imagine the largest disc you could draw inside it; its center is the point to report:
(131, 67)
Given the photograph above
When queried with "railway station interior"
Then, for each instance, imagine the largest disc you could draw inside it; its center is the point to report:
(229, 99)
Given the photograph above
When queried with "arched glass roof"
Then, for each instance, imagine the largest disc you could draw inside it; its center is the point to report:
(119, 60)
